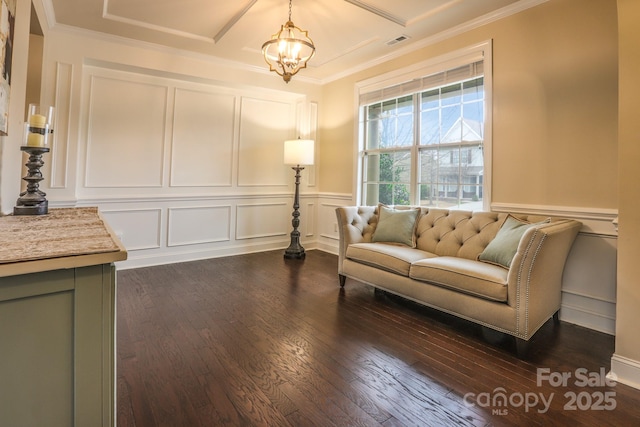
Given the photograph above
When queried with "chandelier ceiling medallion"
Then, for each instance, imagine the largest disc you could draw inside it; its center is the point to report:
(288, 50)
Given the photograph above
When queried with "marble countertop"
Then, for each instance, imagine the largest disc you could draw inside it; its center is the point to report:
(64, 238)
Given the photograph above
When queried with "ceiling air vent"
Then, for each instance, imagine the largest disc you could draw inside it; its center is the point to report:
(397, 40)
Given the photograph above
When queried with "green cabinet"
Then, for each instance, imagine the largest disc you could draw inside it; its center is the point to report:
(57, 319)
(57, 343)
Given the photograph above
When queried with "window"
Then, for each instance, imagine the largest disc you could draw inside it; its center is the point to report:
(426, 144)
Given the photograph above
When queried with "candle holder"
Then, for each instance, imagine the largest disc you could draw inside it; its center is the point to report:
(37, 129)
(33, 201)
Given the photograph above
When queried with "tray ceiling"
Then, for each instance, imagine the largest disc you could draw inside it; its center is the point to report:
(347, 33)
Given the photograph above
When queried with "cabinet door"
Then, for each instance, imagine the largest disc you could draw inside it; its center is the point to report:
(36, 349)
(57, 348)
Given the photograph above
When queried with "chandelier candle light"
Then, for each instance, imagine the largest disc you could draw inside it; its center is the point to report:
(297, 152)
(288, 50)
(38, 127)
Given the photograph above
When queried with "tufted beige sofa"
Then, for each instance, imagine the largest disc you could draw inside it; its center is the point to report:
(443, 270)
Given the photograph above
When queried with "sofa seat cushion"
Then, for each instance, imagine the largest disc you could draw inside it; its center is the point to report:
(394, 258)
(473, 277)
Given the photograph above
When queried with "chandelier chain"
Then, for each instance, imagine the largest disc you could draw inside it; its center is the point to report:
(290, 10)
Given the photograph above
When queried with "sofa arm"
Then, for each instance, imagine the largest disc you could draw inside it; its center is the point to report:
(535, 276)
(355, 224)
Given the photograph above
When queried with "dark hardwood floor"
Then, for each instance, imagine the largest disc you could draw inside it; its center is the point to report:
(257, 340)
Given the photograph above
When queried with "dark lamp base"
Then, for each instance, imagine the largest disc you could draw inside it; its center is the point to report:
(294, 252)
(295, 249)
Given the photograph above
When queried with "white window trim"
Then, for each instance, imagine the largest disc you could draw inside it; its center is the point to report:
(434, 65)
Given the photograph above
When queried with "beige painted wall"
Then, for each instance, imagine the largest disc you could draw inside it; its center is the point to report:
(34, 70)
(555, 93)
(628, 314)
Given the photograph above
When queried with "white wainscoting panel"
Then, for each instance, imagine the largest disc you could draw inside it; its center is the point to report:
(327, 224)
(196, 225)
(262, 220)
(329, 228)
(202, 145)
(137, 228)
(308, 219)
(589, 283)
(126, 133)
(60, 147)
(264, 126)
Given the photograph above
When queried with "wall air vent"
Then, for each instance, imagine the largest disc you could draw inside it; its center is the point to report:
(397, 40)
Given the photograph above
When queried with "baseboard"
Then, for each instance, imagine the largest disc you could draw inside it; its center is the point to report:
(138, 259)
(625, 371)
(588, 311)
(327, 247)
(587, 319)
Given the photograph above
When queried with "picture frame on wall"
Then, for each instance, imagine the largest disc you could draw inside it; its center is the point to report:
(7, 25)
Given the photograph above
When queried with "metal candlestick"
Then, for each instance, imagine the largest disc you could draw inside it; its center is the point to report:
(33, 201)
(295, 249)
(37, 129)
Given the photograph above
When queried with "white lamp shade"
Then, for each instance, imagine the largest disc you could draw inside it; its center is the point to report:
(298, 152)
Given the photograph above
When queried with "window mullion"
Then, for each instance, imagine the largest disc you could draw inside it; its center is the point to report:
(415, 152)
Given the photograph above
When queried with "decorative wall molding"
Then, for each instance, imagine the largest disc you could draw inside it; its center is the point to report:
(60, 155)
(174, 198)
(202, 139)
(260, 220)
(264, 126)
(193, 225)
(596, 221)
(187, 230)
(138, 229)
(130, 135)
(308, 221)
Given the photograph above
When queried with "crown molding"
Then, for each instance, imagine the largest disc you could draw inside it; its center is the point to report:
(436, 38)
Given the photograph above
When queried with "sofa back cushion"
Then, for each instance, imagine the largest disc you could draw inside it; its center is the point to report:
(461, 234)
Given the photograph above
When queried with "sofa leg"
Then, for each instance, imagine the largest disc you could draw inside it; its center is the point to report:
(343, 279)
(522, 347)
(556, 318)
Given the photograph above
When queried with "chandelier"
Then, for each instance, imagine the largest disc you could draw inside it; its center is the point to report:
(288, 50)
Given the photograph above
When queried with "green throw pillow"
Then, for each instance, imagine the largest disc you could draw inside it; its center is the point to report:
(503, 247)
(396, 226)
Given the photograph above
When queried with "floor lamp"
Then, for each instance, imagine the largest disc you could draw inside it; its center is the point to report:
(297, 153)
